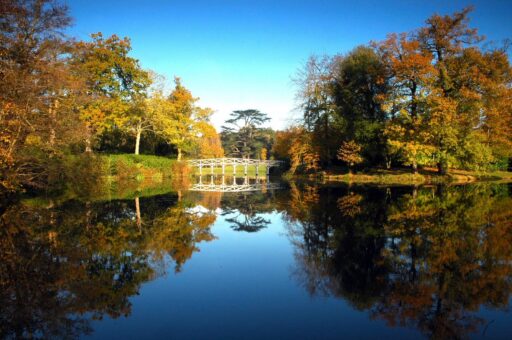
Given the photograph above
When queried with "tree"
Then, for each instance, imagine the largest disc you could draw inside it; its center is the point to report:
(282, 143)
(359, 88)
(241, 132)
(316, 99)
(411, 75)
(36, 91)
(295, 145)
(263, 154)
(178, 119)
(408, 140)
(350, 153)
(209, 143)
(433, 96)
(115, 83)
(302, 154)
(447, 38)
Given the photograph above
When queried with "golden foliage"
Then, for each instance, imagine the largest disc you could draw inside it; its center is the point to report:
(350, 153)
(209, 143)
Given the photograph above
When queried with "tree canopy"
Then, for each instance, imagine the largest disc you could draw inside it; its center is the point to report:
(430, 97)
(242, 135)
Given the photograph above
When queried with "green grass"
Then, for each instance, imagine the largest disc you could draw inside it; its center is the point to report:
(138, 167)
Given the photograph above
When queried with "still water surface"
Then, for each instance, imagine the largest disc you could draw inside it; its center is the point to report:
(299, 261)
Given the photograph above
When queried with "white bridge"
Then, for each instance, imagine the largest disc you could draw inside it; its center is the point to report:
(234, 187)
(233, 162)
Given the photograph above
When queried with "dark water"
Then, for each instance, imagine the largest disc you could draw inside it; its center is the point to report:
(303, 261)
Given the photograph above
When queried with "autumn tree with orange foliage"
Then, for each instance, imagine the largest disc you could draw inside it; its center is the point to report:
(37, 92)
(209, 144)
(350, 153)
(430, 97)
(296, 146)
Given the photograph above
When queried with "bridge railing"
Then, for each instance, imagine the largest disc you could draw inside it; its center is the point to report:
(231, 161)
(234, 162)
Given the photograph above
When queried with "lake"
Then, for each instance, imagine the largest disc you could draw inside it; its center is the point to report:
(248, 259)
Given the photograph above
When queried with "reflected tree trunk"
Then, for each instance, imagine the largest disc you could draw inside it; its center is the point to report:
(137, 213)
(442, 168)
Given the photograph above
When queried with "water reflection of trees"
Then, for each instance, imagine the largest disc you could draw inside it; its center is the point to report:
(62, 265)
(243, 211)
(425, 258)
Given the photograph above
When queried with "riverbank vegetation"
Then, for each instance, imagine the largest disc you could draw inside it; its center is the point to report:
(434, 97)
(61, 98)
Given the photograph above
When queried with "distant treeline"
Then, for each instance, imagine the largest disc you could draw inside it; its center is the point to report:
(436, 96)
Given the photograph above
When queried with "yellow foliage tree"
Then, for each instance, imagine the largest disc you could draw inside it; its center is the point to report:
(263, 155)
(209, 142)
(180, 121)
(302, 153)
(350, 153)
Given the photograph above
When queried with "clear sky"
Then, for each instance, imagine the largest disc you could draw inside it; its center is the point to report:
(237, 54)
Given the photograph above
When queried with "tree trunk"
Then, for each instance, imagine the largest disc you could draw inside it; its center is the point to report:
(137, 213)
(441, 168)
(414, 167)
(88, 145)
(179, 154)
(137, 138)
(88, 140)
(53, 121)
(388, 163)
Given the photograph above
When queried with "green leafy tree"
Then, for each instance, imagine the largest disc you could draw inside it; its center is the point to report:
(115, 84)
(359, 87)
(241, 136)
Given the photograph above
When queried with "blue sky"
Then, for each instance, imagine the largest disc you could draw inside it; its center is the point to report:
(237, 54)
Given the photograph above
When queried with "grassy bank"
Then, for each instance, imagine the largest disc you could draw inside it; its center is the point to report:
(139, 167)
(120, 176)
(425, 176)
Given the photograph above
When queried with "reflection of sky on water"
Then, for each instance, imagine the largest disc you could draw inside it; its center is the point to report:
(239, 286)
(305, 261)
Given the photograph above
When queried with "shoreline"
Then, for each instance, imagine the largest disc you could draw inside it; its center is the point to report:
(404, 177)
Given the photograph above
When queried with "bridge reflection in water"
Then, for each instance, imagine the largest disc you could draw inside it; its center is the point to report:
(214, 183)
